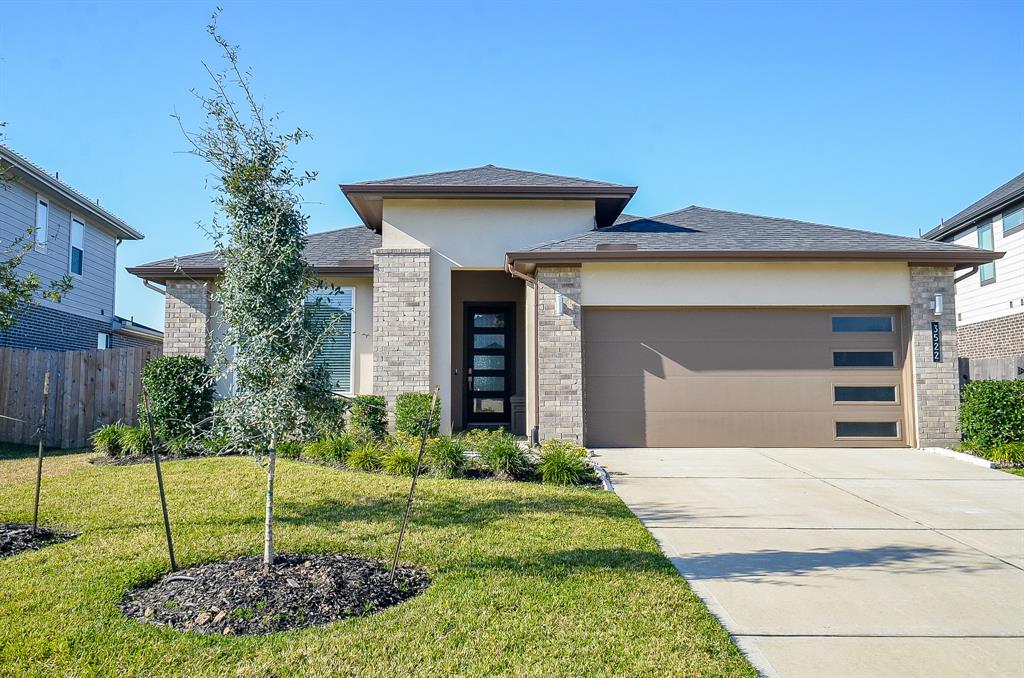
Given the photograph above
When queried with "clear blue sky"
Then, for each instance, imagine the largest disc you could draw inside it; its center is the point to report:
(879, 116)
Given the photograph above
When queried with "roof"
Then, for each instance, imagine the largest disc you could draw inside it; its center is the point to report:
(130, 327)
(704, 233)
(1009, 192)
(69, 194)
(488, 181)
(345, 251)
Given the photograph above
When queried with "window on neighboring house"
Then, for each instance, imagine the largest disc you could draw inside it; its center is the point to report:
(42, 222)
(102, 340)
(334, 311)
(1013, 222)
(985, 242)
(77, 246)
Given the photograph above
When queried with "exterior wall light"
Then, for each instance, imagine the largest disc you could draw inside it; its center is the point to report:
(559, 304)
(937, 305)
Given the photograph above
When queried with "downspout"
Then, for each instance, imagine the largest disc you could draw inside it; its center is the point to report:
(965, 276)
(532, 282)
(147, 283)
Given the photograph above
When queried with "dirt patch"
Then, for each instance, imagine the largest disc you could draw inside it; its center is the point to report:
(16, 537)
(235, 597)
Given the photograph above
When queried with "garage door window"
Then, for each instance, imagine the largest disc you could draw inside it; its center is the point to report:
(862, 323)
(863, 359)
(865, 394)
(867, 429)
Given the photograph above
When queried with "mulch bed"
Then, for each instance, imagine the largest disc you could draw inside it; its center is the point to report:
(235, 597)
(16, 537)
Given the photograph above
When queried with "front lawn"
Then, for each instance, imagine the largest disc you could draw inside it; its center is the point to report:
(527, 579)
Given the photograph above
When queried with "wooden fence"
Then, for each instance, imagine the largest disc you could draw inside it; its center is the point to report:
(87, 389)
(973, 369)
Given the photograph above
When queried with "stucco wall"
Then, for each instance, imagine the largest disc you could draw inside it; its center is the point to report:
(473, 234)
(746, 284)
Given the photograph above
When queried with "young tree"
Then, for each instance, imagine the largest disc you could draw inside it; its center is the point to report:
(260, 232)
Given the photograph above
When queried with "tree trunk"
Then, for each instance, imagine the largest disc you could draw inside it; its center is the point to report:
(39, 460)
(268, 518)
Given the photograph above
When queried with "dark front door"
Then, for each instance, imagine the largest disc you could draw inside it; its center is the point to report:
(489, 364)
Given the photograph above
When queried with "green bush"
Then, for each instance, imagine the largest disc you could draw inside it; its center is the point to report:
(365, 457)
(214, 444)
(411, 410)
(992, 413)
(369, 413)
(107, 439)
(445, 456)
(1008, 454)
(400, 460)
(180, 394)
(326, 414)
(179, 446)
(289, 449)
(333, 449)
(501, 454)
(133, 440)
(563, 462)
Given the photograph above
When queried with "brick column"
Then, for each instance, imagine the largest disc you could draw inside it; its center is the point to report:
(187, 318)
(560, 353)
(401, 322)
(936, 384)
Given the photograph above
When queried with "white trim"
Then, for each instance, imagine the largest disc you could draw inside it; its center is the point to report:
(71, 244)
(43, 230)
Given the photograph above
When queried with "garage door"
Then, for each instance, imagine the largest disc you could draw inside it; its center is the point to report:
(761, 377)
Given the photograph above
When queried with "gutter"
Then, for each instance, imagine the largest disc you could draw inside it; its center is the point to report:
(532, 282)
(153, 287)
(969, 256)
(965, 276)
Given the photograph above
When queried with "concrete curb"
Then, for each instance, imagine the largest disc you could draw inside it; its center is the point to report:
(959, 456)
(606, 482)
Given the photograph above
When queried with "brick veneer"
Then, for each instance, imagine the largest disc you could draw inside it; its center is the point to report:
(401, 322)
(996, 338)
(560, 353)
(187, 318)
(936, 384)
(41, 328)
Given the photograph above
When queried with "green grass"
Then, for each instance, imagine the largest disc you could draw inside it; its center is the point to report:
(1014, 471)
(527, 579)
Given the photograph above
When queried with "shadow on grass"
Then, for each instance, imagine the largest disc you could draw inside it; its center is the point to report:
(12, 451)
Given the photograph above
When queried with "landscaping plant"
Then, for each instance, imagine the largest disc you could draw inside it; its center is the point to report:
(332, 449)
(180, 394)
(369, 413)
(563, 462)
(366, 457)
(992, 413)
(400, 460)
(133, 440)
(501, 455)
(412, 410)
(107, 439)
(446, 457)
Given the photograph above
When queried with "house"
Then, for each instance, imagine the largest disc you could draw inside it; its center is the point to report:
(74, 237)
(990, 301)
(536, 303)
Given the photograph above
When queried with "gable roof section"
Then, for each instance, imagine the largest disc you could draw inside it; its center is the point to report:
(344, 251)
(60, 190)
(710, 234)
(1009, 192)
(489, 181)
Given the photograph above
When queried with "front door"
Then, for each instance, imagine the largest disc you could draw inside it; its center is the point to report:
(489, 364)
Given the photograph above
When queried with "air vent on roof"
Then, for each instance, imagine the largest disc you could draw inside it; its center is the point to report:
(617, 247)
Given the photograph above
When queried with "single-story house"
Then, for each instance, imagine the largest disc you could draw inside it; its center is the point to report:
(536, 304)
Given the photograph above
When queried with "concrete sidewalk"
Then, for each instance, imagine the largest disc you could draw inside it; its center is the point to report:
(842, 562)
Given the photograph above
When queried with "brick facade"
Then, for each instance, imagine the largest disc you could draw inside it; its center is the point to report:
(996, 338)
(401, 322)
(560, 353)
(187, 318)
(41, 328)
(936, 384)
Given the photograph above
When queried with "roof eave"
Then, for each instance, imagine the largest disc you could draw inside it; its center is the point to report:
(955, 227)
(162, 274)
(367, 200)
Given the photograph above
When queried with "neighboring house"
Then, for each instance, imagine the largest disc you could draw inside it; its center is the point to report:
(76, 237)
(535, 304)
(990, 301)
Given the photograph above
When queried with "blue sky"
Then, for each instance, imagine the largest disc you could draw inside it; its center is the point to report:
(879, 116)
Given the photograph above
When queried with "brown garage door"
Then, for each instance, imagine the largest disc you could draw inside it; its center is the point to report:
(755, 377)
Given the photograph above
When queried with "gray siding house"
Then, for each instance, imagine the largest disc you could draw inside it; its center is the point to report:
(74, 237)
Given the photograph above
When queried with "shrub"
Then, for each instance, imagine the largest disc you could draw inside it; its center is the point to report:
(214, 444)
(369, 414)
(365, 457)
(1008, 454)
(326, 415)
(501, 454)
(411, 410)
(107, 439)
(992, 413)
(180, 394)
(179, 446)
(445, 456)
(400, 460)
(289, 449)
(333, 449)
(133, 440)
(563, 462)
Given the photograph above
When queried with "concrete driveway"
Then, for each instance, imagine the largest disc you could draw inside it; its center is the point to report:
(842, 562)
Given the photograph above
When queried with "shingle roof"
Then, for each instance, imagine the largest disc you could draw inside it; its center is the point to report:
(340, 250)
(1011, 190)
(490, 176)
(706, 232)
(109, 219)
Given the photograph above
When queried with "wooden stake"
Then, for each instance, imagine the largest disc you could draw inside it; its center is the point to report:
(159, 478)
(415, 476)
(268, 515)
(39, 460)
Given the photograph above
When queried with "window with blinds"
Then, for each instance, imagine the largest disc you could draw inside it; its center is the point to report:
(334, 311)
